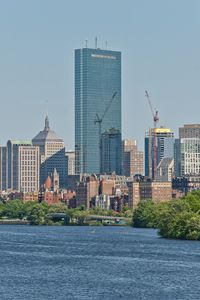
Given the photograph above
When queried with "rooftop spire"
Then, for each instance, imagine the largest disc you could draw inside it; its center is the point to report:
(46, 127)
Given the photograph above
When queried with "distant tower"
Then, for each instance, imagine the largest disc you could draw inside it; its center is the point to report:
(97, 78)
(132, 158)
(164, 139)
(52, 153)
(55, 180)
(187, 151)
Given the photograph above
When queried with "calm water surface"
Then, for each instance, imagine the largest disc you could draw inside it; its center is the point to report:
(96, 263)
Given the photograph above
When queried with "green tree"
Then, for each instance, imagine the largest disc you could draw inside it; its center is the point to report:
(37, 214)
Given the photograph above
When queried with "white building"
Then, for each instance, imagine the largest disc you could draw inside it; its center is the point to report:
(102, 201)
(187, 156)
(70, 161)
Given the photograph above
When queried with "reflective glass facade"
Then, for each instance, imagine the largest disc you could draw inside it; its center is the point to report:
(97, 78)
(111, 152)
(164, 148)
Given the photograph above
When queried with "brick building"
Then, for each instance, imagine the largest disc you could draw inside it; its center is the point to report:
(146, 189)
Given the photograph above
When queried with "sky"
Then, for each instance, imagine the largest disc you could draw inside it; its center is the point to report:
(160, 45)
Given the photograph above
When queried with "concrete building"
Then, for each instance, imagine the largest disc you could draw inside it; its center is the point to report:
(190, 131)
(23, 163)
(111, 152)
(132, 159)
(164, 148)
(70, 161)
(52, 154)
(97, 80)
(187, 151)
(187, 156)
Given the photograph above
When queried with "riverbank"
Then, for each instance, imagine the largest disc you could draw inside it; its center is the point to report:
(33, 213)
(175, 219)
(89, 222)
(14, 222)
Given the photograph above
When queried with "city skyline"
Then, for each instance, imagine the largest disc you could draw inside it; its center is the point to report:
(155, 56)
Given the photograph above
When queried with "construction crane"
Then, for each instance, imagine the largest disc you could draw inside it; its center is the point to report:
(99, 120)
(155, 122)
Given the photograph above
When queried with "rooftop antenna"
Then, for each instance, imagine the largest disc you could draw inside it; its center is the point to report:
(86, 43)
(46, 108)
(96, 42)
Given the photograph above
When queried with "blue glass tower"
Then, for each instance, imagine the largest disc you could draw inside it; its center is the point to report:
(164, 148)
(97, 78)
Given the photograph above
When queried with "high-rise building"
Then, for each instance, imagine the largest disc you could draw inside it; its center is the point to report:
(23, 163)
(189, 131)
(187, 156)
(132, 159)
(52, 154)
(164, 148)
(165, 169)
(97, 80)
(187, 151)
(3, 168)
(111, 153)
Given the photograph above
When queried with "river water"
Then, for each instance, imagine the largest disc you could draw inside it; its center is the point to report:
(96, 263)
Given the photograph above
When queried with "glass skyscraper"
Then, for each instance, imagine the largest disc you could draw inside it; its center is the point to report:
(111, 152)
(97, 79)
(164, 148)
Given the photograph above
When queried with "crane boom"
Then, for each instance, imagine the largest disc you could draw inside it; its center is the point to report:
(150, 105)
(109, 104)
(155, 122)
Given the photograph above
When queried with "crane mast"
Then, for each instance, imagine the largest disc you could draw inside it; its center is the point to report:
(155, 122)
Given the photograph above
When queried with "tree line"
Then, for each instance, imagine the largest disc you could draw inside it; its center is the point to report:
(177, 219)
(43, 214)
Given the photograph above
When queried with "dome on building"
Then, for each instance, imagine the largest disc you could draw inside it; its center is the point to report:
(47, 134)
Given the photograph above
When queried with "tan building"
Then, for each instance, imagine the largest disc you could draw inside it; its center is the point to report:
(23, 166)
(141, 190)
(132, 159)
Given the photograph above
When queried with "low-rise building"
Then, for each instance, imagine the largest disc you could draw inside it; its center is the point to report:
(147, 189)
(102, 202)
(87, 190)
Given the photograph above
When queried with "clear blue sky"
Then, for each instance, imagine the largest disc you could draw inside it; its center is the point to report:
(160, 44)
